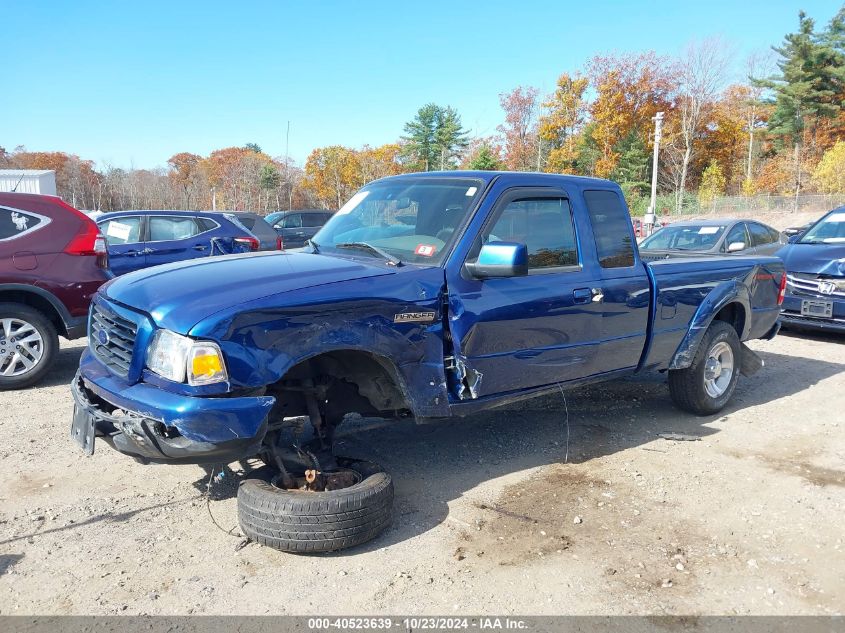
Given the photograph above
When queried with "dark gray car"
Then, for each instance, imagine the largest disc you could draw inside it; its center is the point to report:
(712, 237)
(255, 224)
(297, 226)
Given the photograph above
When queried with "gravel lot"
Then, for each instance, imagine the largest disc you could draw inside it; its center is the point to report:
(489, 516)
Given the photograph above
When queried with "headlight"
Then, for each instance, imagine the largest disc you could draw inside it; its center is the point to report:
(176, 357)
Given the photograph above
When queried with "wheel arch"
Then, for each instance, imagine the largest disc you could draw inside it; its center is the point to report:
(729, 302)
(39, 299)
(377, 378)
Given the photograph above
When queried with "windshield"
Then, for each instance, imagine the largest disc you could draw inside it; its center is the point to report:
(412, 219)
(828, 230)
(684, 238)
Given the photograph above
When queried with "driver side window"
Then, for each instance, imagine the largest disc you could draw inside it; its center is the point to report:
(544, 225)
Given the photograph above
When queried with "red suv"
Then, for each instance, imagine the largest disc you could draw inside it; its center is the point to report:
(52, 260)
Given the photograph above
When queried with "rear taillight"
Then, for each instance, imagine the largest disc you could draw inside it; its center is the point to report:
(280, 245)
(89, 242)
(782, 290)
(86, 241)
(251, 242)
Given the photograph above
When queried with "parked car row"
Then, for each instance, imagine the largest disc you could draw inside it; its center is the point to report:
(813, 253)
(712, 237)
(53, 258)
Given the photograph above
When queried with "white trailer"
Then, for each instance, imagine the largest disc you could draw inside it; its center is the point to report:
(28, 181)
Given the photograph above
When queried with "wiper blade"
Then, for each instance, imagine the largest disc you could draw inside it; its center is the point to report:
(393, 260)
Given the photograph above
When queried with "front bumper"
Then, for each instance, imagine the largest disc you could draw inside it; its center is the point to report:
(155, 425)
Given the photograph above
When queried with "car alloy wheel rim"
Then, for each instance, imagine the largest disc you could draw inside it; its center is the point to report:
(718, 369)
(21, 347)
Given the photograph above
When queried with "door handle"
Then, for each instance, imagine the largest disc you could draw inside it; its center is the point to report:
(133, 253)
(200, 247)
(146, 251)
(582, 295)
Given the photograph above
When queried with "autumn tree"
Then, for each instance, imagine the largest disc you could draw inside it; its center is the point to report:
(700, 74)
(333, 173)
(829, 175)
(630, 90)
(712, 183)
(185, 174)
(567, 111)
(519, 130)
(379, 162)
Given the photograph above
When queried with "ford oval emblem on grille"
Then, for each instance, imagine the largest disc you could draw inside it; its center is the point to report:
(103, 337)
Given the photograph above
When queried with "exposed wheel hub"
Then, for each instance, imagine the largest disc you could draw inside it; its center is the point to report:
(718, 369)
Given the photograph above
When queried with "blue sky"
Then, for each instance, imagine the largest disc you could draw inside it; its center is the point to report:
(130, 84)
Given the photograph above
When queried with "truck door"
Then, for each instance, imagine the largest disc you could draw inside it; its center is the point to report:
(514, 333)
(624, 284)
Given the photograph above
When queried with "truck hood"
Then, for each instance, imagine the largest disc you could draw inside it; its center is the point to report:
(179, 295)
(817, 259)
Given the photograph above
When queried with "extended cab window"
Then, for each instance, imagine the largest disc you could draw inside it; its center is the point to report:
(611, 228)
(122, 230)
(14, 223)
(544, 225)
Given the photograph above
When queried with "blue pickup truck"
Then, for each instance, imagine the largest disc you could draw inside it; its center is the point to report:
(428, 295)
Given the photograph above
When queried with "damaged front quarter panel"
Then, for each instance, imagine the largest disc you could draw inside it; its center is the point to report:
(465, 381)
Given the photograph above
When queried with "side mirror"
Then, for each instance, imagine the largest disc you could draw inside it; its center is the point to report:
(735, 247)
(794, 238)
(500, 259)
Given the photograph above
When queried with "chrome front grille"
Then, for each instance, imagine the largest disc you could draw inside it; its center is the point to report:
(112, 339)
(809, 284)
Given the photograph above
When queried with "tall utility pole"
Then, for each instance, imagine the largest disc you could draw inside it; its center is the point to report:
(287, 168)
(650, 218)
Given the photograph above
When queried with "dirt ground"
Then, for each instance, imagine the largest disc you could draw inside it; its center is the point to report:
(490, 514)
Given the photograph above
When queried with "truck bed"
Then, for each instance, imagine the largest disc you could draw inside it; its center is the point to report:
(688, 286)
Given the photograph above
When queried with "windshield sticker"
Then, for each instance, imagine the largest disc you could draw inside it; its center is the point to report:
(836, 217)
(21, 221)
(354, 201)
(708, 230)
(471, 191)
(118, 230)
(426, 250)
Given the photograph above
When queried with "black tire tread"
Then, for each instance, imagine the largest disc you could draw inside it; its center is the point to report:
(686, 386)
(309, 522)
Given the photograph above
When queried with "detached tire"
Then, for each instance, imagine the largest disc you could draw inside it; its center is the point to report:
(25, 360)
(309, 522)
(707, 385)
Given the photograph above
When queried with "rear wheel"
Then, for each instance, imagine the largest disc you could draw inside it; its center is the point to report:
(28, 345)
(707, 385)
